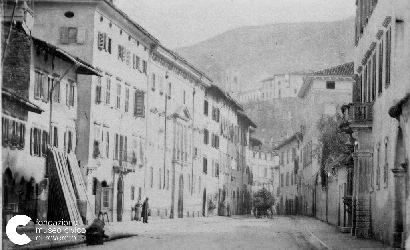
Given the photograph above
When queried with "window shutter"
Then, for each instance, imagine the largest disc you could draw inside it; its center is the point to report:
(109, 45)
(64, 35)
(81, 35)
(100, 40)
(128, 57)
(31, 141)
(139, 110)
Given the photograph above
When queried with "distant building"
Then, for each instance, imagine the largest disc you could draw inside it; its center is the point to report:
(288, 152)
(275, 87)
(232, 81)
(323, 93)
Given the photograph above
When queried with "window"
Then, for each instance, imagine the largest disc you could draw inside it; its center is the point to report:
(38, 85)
(144, 66)
(107, 144)
(55, 136)
(104, 42)
(44, 142)
(72, 35)
(132, 192)
(108, 90)
(374, 77)
(206, 136)
(118, 106)
(161, 85)
(216, 169)
(287, 178)
(378, 167)
(206, 107)
(36, 141)
(98, 91)
(69, 141)
(153, 82)
(381, 67)
(56, 91)
(281, 180)
(183, 97)
(139, 103)
(169, 89)
(265, 173)
(291, 178)
(106, 194)
(127, 99)
(330, 85)
(205, 165)
(121, 53)
(136, 62)
(388, 56)
(70, 94)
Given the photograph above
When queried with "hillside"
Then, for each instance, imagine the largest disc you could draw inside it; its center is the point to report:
(270, 49)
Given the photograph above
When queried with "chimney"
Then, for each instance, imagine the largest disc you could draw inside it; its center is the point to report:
(18, 14)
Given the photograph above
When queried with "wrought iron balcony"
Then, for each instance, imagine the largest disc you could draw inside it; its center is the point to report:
(360, 112)
(124, 161)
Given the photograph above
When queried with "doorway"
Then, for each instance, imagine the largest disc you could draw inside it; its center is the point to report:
(120, 197)
(181, 197)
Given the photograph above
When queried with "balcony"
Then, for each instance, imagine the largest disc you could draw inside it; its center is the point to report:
(125, 162)
(180, 156)
(360, 113)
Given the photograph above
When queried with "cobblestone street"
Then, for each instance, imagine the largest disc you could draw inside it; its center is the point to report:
(282, 232)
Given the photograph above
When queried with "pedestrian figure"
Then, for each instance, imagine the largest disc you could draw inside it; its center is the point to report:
(145, 208)
(138, 210)
(229, 209)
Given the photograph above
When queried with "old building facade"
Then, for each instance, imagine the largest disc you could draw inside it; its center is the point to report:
(381, 152)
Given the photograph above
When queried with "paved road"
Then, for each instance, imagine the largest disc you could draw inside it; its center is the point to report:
(236, 233)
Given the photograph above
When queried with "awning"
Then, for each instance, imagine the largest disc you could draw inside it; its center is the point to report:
(8, 94)
(82, 67)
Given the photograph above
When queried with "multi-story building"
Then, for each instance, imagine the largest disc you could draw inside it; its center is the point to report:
(175, 118)
(152, 125)
(381, 176)
(323, 186)
(39, 91)
(264, 166)
(275, 87)
(111, 109)
(288, 151)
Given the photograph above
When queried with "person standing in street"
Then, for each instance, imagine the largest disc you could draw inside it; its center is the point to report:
(145, 209)
(138, 210)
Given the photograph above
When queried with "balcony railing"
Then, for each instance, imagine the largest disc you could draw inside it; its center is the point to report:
(361, 112)
(124, 161)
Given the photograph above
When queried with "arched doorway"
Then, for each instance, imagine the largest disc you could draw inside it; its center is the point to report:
(204, 203)
(120, 197)
(181, 197)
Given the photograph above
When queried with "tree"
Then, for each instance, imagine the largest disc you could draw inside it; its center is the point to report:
(331, 142)
(263, 199)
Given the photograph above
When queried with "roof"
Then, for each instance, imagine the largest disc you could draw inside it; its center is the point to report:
(9, 94)
(288, 140)
(340, 70)
(145, 32)
(82, 66)
(246, 118)
(224, 94)
(183, 60)
(346, 69)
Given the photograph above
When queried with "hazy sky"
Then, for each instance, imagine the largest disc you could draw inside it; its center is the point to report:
(179, 23)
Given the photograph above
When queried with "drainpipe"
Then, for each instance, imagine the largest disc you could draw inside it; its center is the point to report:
(192, 139)
(165, 135)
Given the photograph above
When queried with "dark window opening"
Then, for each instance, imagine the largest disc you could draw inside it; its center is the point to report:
(330, 85)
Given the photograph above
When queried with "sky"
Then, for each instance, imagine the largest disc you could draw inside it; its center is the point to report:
(181, 23)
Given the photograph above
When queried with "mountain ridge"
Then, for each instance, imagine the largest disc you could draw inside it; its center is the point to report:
(258, 51)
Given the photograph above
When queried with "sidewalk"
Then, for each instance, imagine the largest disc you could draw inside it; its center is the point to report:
(330, 236)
